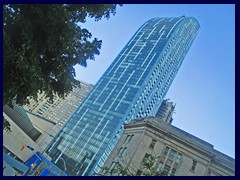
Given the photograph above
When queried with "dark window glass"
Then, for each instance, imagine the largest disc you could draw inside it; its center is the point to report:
(194, 164)
(152, 143)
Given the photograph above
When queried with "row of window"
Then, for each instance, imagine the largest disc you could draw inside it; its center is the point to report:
(168, 81)
(123, 149)
(168, 162)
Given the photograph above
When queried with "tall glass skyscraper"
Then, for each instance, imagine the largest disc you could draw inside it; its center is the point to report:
(132, 87)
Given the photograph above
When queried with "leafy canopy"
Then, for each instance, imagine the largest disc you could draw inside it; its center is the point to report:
(41, 45)
(6, 125)
(148, 168)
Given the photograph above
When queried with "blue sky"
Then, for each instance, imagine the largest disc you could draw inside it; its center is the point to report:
(204, 88)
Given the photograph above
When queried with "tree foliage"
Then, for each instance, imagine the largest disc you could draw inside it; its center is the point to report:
(148, 169)
(41, 45)
(6, 125)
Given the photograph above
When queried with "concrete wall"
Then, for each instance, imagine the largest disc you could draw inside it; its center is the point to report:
(14, 141)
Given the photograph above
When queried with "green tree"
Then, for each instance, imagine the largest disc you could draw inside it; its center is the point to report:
(6, 125)
(148, 169)
(41, 45)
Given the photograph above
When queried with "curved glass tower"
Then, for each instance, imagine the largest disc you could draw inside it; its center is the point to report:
(132, 87)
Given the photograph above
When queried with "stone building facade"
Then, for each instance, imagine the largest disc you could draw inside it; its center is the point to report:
(178, 152)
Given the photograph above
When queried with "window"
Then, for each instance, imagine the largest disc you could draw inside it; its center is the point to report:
(172, 154)
(113, 166)
(159, 166)
(169, 161)
(173, 172)
(146, 158)
(122, 151)
(194, 164)
(166, 169)
(152, 143)
(166, 151)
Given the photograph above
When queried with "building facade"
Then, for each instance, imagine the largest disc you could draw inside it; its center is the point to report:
(166, 110)
(178, 152)
(19, 116)
(133, 86)
(59, 110)
(27, 129)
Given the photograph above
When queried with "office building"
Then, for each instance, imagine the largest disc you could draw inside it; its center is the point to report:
(59, 110)
(177, 152)
(166, 110)
(133, 86)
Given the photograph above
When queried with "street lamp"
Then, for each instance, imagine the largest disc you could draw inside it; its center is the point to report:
(64, 163)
